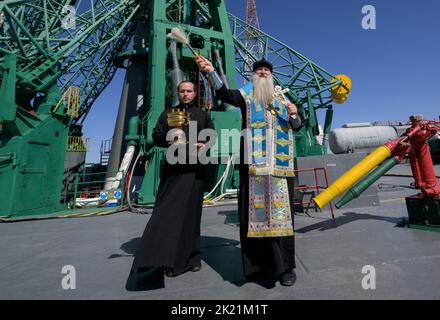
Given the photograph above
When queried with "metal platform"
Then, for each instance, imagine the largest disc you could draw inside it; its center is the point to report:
(330, 256)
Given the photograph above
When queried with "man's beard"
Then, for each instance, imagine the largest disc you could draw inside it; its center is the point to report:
(263, 89)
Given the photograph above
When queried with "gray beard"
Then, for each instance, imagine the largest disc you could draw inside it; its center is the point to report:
(263, 89)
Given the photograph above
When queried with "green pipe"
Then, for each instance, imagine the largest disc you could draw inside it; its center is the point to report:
(327, 126)
(312, 115)
(328, 120)
(133, 126)
(367, 181)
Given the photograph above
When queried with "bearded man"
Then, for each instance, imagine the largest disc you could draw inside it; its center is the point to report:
(266, 161)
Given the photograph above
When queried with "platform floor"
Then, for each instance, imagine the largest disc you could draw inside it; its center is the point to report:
(330, 256)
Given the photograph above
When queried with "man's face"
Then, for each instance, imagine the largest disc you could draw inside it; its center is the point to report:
(186, 93)
(263, 72)
(262, 81)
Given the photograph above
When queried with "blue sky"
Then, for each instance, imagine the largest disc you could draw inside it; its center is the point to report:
(394, 69)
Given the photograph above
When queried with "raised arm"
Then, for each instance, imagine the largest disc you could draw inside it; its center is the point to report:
(294, 118)
(232, 97)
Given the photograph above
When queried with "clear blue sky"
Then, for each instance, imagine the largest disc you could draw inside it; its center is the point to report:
(394, 69)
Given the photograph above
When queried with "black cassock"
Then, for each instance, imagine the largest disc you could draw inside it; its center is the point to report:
(172, 235)
(259, 254)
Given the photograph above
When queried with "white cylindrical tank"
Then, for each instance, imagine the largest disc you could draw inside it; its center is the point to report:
(357, 124)
(346, 140)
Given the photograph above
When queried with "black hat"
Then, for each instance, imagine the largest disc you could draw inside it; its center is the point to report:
(262, 63)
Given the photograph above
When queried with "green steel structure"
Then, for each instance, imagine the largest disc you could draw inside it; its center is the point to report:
(47, 47)
(42, 54)
(207, 26)
(69, 48)
(32, 150)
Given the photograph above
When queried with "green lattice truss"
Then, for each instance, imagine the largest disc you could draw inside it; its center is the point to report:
(291, 69)
(49, 49)
(84, 56)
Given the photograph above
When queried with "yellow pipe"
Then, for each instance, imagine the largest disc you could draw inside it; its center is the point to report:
(352, 176)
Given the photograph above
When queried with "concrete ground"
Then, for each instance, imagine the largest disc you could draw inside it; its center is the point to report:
(330, 256)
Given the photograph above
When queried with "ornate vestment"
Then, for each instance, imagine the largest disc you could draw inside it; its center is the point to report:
(270, 156)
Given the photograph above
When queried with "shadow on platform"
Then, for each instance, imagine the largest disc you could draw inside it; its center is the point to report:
(129, 247)
(346, 218)
(221, 254)
(231, 217)
(224, 257)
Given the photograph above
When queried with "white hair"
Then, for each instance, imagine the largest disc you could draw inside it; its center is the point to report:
(263, 89)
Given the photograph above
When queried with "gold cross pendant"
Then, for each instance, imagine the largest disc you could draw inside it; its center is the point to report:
(272, 109)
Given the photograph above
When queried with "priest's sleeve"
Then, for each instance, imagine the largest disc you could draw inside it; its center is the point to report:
(295, 123)
(160, 131)
(232, 97)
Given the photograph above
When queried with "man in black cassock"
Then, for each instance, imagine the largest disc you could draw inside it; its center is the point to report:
(171, 239)
(267, 252)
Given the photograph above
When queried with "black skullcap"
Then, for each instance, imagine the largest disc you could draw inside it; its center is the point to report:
(262, 63)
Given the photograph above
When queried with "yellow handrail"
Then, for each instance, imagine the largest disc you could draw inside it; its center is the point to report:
(72, 97)
(75, 144)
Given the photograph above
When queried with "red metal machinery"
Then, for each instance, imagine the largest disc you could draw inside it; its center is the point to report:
(424, 207)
